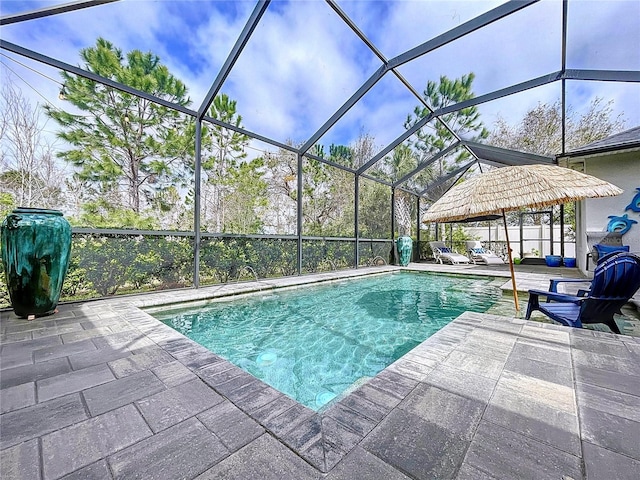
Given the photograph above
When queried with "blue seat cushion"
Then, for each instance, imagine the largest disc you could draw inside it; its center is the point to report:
(445, 250)
(478, 251)
(604, 250)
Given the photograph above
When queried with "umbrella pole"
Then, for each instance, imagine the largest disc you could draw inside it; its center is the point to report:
(513, 274)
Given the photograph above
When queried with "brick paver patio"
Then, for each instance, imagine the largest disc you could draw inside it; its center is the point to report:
(103, 390)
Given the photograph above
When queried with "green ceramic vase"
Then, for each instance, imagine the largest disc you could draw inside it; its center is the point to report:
(405, 246)
(36, 246)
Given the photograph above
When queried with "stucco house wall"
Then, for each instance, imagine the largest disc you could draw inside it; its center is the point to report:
(592, 215)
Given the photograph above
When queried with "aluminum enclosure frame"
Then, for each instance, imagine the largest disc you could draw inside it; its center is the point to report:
(480, 153)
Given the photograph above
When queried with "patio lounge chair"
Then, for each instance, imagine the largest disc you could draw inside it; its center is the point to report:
(442, 254)
(478, 254)
(615, 280)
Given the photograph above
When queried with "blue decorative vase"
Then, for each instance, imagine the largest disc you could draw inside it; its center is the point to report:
(405, 245)
(36, 246)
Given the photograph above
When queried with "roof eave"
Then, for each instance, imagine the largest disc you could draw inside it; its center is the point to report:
(589, 152)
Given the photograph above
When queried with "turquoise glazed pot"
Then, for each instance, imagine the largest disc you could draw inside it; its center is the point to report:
(405, 245)
(36, 246)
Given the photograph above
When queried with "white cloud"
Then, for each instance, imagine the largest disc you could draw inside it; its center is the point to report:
(209, 43)
(302, 62)
(127, 24)
(412, 23)
(604, 35)
(296, 71)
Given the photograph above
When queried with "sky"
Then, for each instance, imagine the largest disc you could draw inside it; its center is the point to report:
(303, 62)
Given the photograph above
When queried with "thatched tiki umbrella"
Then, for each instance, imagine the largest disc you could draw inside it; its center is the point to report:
(512, 188)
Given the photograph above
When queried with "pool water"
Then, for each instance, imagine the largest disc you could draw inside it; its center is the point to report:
(314, 343)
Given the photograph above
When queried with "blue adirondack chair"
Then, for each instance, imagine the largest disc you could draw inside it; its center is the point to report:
(615, 281)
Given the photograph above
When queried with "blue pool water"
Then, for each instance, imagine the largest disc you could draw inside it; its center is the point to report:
(315, 342)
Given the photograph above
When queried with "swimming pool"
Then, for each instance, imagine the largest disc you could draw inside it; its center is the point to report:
(316, 342)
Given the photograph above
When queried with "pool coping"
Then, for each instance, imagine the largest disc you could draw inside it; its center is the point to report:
(320, 437)
(354, 423)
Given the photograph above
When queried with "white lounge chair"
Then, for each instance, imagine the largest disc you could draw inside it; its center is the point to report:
(442, 254)
(478, 254)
